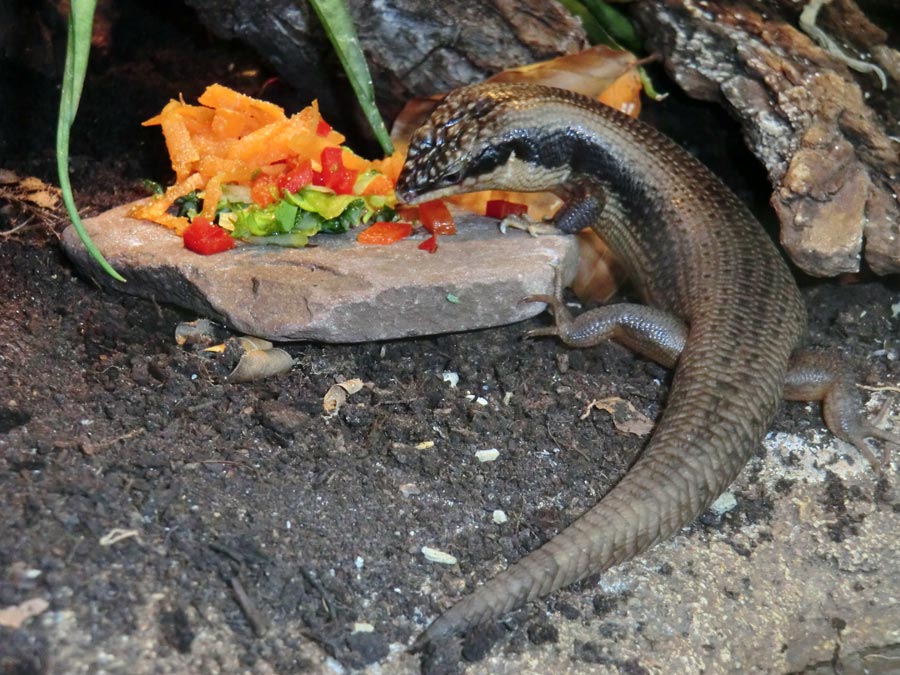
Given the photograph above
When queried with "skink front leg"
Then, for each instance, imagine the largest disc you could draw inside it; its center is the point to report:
(584, 201)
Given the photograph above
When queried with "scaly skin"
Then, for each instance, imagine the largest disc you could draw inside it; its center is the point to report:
(691, 248)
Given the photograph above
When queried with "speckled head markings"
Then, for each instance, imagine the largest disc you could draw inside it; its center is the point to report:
(481, 137)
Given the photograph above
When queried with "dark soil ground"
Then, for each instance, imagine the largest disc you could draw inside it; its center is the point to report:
(105, 423)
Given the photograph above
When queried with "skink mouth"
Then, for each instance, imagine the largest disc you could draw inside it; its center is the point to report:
(416, 192)
(405, 192)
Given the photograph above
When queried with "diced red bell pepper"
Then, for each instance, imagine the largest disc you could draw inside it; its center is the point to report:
(323, 128)
(384, 233)
(263, 190)
(429, 244)
(202, 237)
(295, 178)
(334, 174)
(436, 218)
(332, 161)
(500, 208)
(407, 212)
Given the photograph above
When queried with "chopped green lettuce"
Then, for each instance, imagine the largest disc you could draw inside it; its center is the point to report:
(298, 216)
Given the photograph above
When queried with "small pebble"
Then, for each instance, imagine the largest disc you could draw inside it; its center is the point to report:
(487, 455)
(725, 503)
(436, 556)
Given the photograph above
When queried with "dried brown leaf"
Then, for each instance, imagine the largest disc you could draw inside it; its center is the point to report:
(257, 364)
(337, 395)
(626, 418)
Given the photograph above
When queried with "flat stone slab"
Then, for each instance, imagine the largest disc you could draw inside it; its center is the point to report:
(339, 290)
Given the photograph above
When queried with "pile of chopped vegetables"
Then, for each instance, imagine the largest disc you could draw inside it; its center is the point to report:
(244, 170)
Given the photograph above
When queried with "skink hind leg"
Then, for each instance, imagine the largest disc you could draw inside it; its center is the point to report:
(820, 376)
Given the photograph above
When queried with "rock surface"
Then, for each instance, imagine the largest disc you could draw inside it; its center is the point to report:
(338, 291)
(810, 121)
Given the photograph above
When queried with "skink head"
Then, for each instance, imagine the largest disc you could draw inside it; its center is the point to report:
(486, 136)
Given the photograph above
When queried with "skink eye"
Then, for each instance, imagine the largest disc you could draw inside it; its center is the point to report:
(452, 178)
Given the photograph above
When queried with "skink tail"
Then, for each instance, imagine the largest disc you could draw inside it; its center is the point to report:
(626, 522)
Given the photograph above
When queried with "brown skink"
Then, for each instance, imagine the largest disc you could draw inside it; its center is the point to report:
(721, 307)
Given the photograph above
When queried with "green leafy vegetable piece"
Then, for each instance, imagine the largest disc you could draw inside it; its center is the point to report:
(152, 186)
(326, 204)
(350, 217)
(384, 214)
(304, 214)
(78, 48)
(285, 215)
(236, 194)
(308, 223)
(335, 16)
(255, 222)
(189, 205)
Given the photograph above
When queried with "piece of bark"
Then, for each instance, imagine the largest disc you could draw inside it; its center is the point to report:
(835, 172)
(414, 47)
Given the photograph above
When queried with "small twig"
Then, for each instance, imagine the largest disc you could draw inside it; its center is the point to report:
(17, 227)
(230, 462)
(326, 598)
(883, 387)
(89, 448)
(71, 555)
(257, 622)
(565, 447)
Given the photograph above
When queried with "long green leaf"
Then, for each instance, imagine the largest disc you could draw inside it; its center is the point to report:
(606, 25)
(596, 34)
(335, 17)
(78, 47)
(616, 24)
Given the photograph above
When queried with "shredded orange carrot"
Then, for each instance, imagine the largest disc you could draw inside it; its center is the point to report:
(231, 138)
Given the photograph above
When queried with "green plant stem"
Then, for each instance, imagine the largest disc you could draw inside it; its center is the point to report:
(78, 47)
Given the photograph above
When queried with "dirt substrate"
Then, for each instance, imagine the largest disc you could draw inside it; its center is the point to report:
(257, 536)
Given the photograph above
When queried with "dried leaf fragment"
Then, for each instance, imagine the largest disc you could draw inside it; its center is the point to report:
(257, 364)
(15, 616)
(337, 395)
(199, 332)
(249, 343)
(626, 418)
(116, 535)
(31, 190)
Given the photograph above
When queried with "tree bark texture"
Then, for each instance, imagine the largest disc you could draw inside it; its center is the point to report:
(818, 128)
